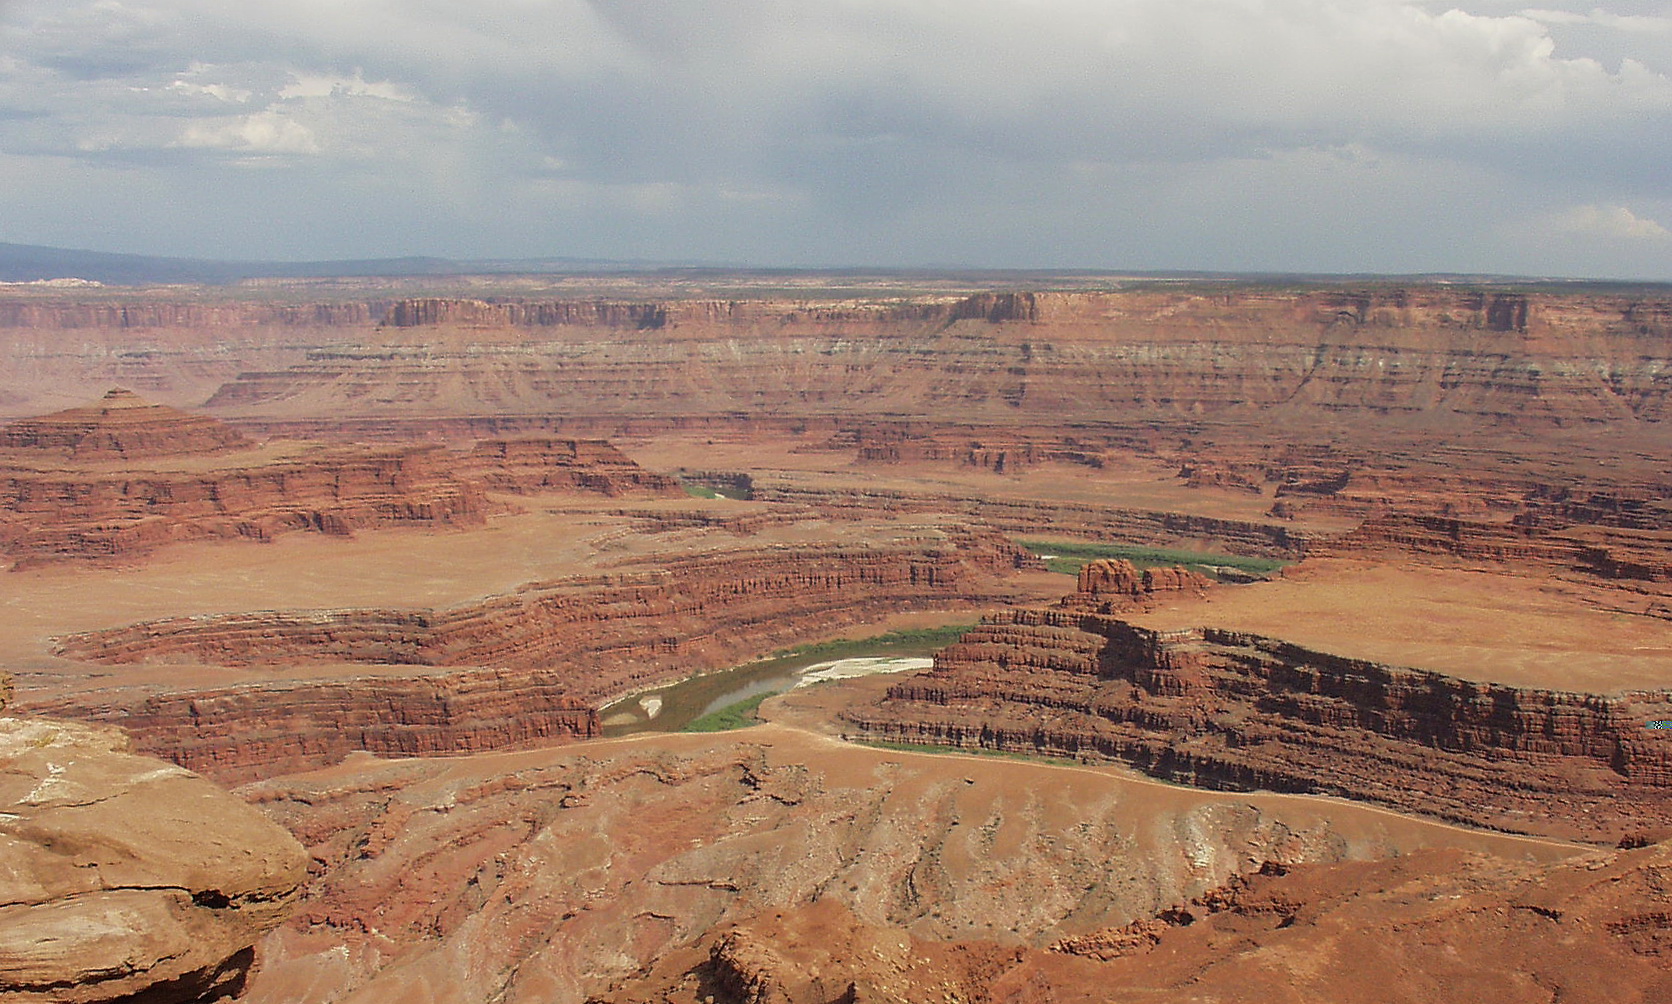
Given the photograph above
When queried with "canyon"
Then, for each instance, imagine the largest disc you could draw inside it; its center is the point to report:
(375, 554)
(1234, 710)
(630, 629)
(530, 876)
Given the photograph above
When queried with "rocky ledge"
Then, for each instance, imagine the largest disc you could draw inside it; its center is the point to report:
(62, 498)
(1238, 711)
(128, 879)
(526, 667)
(1408, 930)
(121, 425)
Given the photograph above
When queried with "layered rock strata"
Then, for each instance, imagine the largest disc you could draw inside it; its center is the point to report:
(680, 608)
(93, 513)
(236, 734)
(123, 477)
(122, 426)
(1411, 930)
(531, 465)
(1108, 585)
(1232, 710)
(165, 346)
(1471, 356)
(1044, 518)
(1607, 552)
(557, 649)
(545, 876)
(127, 879)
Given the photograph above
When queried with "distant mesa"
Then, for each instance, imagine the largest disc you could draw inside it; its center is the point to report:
(103, 482)
(122, 424)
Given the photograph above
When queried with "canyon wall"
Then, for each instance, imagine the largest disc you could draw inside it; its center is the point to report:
(1420, 358)
(161, 314)
(1044, 518)
(1240, 711)
(48, 513)
(123, 476)
(121, 426)
(555, 650)
(542, 878)
(630, 625)
(526, 466)
(1608, 552)
(63, 350)
(237, 734)
(1419, 355)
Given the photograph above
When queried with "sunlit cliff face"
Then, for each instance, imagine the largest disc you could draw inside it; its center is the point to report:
(1385, 704)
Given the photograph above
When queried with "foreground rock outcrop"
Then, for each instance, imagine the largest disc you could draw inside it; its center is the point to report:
(542, 877)
(1233, 710)
(128, 879)
(1417, 929)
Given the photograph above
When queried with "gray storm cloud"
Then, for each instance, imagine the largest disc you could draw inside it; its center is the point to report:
(1335, 135)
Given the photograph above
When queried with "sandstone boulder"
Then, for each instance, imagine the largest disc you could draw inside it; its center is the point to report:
(121, 875)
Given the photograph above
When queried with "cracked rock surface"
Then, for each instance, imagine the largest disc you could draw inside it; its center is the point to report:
(125, 877)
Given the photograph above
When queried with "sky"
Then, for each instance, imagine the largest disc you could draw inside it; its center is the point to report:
(1237, 135)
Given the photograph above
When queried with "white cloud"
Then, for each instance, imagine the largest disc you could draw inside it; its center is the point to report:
(1613, 223)
(305, 85)
(786, 127)
(265, 132)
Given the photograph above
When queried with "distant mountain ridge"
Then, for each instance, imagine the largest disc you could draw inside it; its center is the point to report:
(28, 263)
(31, 263)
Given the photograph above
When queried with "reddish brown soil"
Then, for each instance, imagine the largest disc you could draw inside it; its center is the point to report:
(1425, 928)
(548, 875)
(1477, 479)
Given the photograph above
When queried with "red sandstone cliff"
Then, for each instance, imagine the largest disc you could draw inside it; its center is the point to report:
(121, 426)
(1470, 357)
(1108, 585)
(48, 513)
(558, 649)
(545, 464)
(1608, 552)
(1232, 710)
(1108, 523)
(236, 734)
(122, 477)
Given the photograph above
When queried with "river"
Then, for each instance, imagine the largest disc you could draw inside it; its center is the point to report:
(672, 707)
